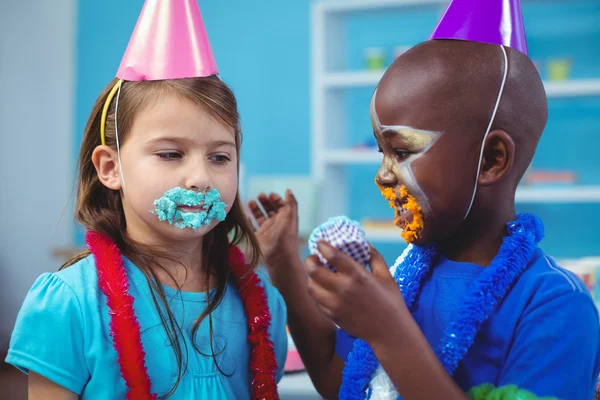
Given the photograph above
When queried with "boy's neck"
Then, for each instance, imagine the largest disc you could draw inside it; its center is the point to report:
(479, 238)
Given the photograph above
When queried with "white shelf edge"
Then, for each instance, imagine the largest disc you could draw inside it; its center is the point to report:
(351, 79)
(525, 194)
(354, 79)
(391, 235)
(352, 156)
(358, 5)
(573, 88)
(566, 194)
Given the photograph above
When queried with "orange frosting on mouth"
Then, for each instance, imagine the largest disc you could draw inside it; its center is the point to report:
(409, 203)
(410, 232)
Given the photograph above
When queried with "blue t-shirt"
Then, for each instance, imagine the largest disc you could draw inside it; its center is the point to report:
(62, 332)
(544, 336)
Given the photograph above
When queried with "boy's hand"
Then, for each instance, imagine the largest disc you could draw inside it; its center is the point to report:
(367, 305)
(278, 230)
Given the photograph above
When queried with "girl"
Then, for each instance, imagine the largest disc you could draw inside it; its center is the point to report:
(162, 304)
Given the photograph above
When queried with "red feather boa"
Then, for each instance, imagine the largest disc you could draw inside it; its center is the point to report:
(125, 329)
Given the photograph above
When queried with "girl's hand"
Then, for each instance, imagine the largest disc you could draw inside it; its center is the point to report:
(277, 230)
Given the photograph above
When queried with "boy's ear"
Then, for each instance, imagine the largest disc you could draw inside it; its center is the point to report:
(107, 167)
(498, 157)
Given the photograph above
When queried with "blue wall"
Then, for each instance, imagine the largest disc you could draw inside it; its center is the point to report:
(262, 52)
(262, 49)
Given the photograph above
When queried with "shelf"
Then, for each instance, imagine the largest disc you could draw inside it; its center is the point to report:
(341, 6)
(386, 235)
(573, 88)
(355, 79)
(351, 79)
(353, 156)
(329, 111)
(65, 253)
(565, 194)
(392, 235)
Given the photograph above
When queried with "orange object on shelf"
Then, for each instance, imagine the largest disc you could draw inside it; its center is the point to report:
(377, 223)
(541, 176)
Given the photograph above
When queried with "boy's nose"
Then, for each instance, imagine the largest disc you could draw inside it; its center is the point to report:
(386, 178)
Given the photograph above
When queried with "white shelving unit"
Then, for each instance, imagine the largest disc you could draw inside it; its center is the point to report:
(354, 79)
(568, 194)
(330, 158)
(389, 235)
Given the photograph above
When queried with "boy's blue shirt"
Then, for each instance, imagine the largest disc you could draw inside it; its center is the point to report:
(544, 336)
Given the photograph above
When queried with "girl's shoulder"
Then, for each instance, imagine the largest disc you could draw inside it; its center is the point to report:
(79, 280)
(51, 332)
(71, 289)
(81, 277)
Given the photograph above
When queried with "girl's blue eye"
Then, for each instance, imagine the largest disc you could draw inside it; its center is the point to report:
(169, 156)
(220, 159)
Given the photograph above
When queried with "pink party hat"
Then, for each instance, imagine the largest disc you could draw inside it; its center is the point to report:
(169, 42)
(486, 21)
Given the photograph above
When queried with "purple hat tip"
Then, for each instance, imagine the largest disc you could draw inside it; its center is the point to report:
(485, 21)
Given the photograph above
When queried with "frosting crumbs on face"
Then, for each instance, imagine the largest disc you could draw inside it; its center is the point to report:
(411, 230)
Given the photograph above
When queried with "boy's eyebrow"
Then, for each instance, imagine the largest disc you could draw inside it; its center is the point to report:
(415, 139)
(404, 131)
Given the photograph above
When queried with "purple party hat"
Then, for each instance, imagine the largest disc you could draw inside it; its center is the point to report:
(486, 21)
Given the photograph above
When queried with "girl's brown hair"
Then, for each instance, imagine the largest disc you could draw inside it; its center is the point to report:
(99, 208)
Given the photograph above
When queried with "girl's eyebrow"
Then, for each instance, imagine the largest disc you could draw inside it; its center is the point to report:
(178, 139)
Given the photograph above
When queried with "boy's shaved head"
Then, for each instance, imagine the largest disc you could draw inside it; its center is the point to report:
(454, 86)
(451, 87)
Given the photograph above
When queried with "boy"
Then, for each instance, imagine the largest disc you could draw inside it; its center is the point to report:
(481, 311)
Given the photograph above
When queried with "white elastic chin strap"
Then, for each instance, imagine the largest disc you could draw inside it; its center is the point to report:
(117, 137)
(488, 129)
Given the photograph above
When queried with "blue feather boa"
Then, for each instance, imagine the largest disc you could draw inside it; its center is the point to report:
(516, 251)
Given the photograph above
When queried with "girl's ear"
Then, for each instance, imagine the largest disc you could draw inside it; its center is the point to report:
(107, 167)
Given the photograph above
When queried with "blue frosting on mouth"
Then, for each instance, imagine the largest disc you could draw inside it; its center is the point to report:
(166, 209)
